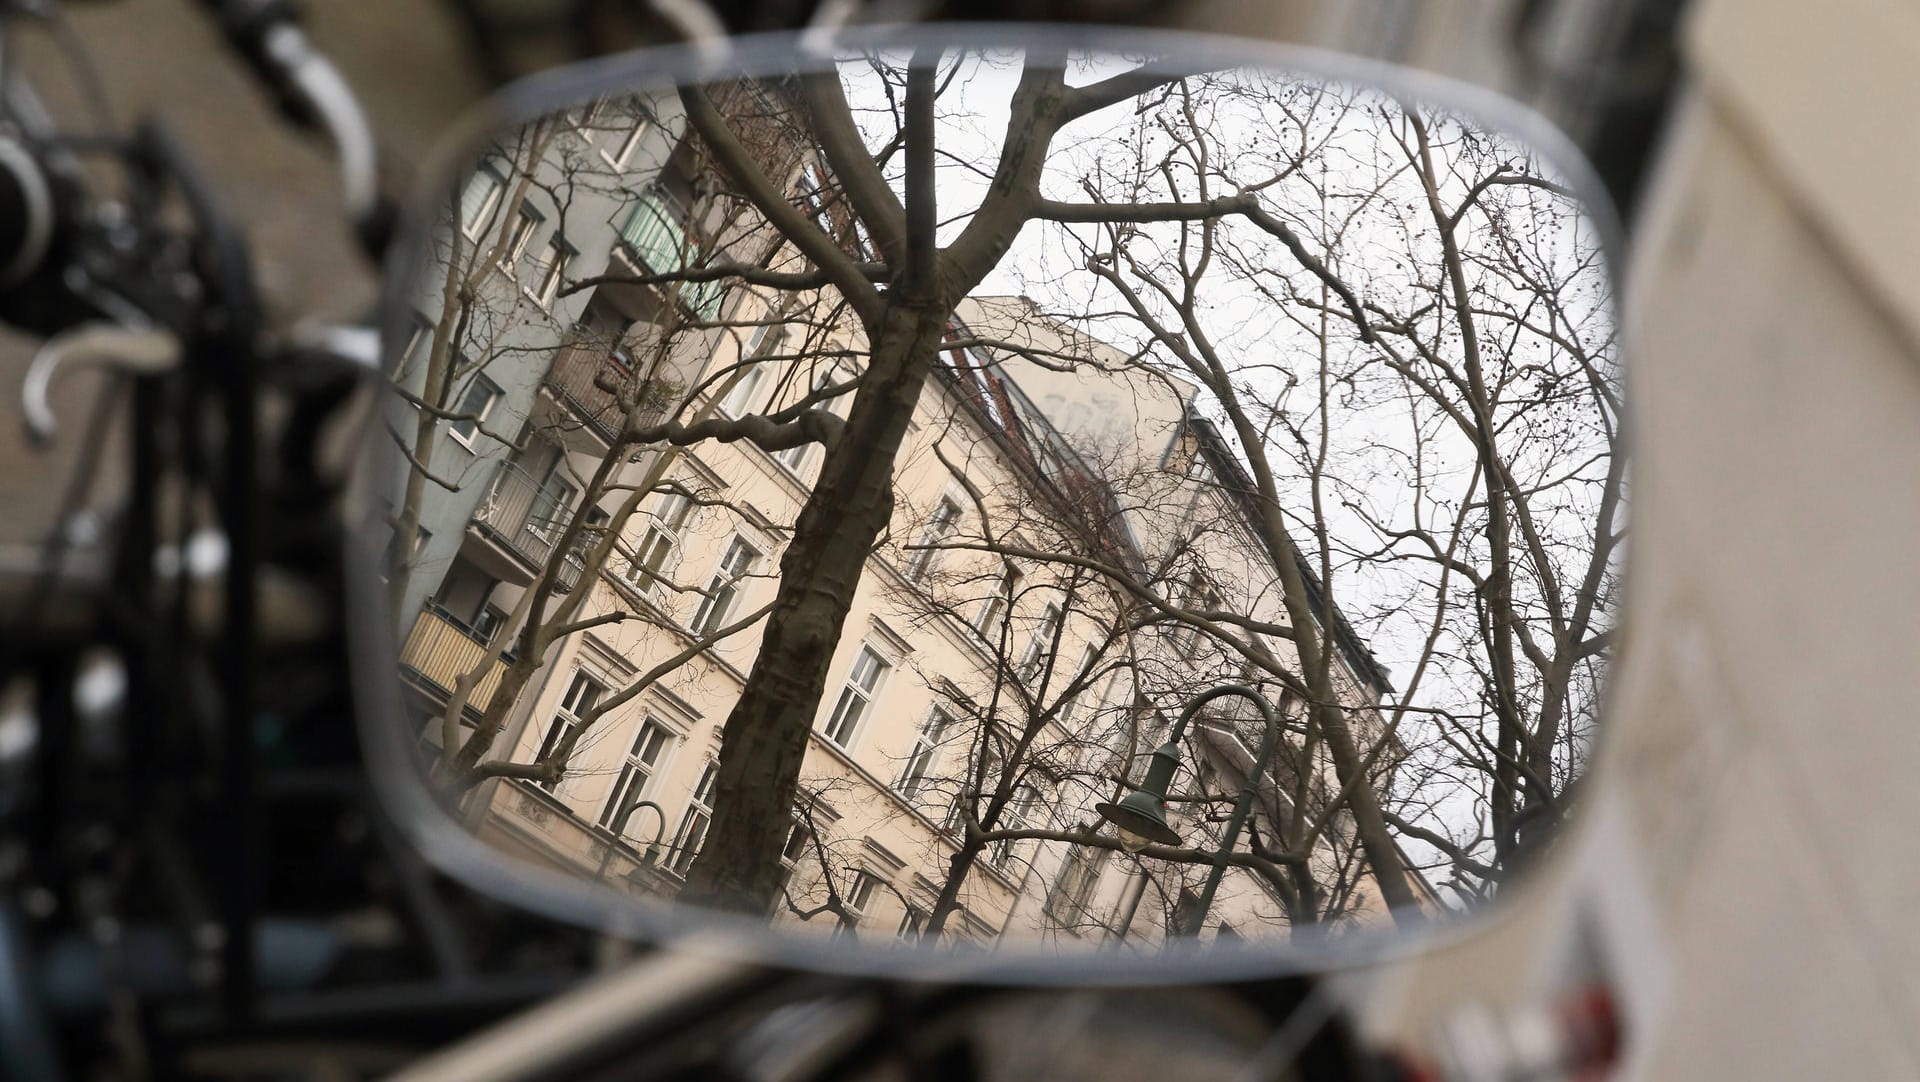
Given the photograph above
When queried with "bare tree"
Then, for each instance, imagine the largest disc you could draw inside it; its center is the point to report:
(1428, 430)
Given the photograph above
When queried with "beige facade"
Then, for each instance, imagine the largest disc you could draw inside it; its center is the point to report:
(881, 781)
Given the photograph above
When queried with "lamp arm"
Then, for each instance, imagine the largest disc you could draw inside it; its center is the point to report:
(1242, 806)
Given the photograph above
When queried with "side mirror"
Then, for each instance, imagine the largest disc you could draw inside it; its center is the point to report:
(814, 484)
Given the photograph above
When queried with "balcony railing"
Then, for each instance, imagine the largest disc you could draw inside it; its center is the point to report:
(523, 514)
(572, 376)
(655, 232)
(580, 376)
(440, 650)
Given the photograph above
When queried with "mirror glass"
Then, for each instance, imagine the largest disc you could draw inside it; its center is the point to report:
(971, 497)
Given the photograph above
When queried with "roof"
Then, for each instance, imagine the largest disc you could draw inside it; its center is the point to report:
(1030, 437)
(1235, 482)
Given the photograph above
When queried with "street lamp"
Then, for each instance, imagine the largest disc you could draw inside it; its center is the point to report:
(619, 828)
(1141, 815)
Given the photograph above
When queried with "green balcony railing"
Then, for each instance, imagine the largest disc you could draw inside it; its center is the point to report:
(655, 232)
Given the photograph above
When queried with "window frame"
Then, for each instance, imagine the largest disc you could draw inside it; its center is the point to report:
(642, 122)
(566, 715)
(1040, 642)
(669, 530)
(992, 611)
(938, 528)
(716, 608)
(551, 274)
(494, 395)
(1017, 815)
(926, 751)
(527, 222)
(633, 763)
(559, 506)
(1066, 904)
(851, 692)
(746, 384)
(738, 400)
(795, 458)
(681, 855)
(865, 882)
(474, 226)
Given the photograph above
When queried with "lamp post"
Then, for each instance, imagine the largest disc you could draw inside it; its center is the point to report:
(620, 828)
(1141, 815)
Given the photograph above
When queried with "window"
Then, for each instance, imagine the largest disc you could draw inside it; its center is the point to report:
(939, 525)
(629, 140)
(1040, 645)
(643, 762)
(655, 232)
(488, 622)
(1017, 815)
(580, 698)
(526, 221)
(988, 618)
(799, 844)
(925, 748)
(765, 340)
(857, 697)
(1194, 595)
(987, 621)
(394, 561)
(473, 408)
(648, 567)
(723, 592)
(1197, 469)
(985, 774)
(415, 354)
(793, 458)
(858, 897)
(547, 514)
(1067, 903)
(652, 558)
(694, 824)
(1086, 697)
(479, 199)
(740, 396)
(1183, 911)
(910, 924)
(813, 196)
(746, 383)
(1207, 601)
(799, 841)
(1148, 728)
(545, 269)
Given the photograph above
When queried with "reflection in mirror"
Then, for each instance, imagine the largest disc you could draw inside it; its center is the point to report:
(982, 498)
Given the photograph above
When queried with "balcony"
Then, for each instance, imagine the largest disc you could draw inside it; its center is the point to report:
(440, 650)
(655, 234)
(523, 515)
(582, 377)
(572, 379)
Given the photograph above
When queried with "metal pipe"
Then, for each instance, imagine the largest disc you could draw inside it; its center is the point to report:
(620, 829)
(1241, 807)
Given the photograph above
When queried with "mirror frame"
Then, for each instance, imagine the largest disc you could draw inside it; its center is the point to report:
(447, 846)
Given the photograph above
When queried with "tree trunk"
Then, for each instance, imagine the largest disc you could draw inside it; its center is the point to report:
(948, 902)
(764, 740)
